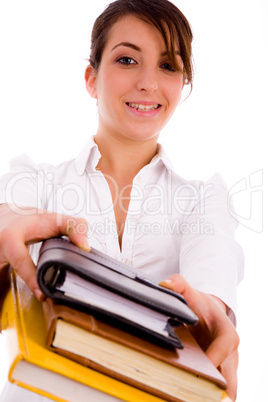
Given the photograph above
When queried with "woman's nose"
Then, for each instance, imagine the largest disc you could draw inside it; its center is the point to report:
(147, 80)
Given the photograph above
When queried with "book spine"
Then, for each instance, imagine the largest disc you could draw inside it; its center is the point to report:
(11, 335)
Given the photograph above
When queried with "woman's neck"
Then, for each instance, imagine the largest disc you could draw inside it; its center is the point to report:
(123, 159)
(120, 162)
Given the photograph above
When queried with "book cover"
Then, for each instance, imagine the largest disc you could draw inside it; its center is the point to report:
(172, 374)
(33, 366)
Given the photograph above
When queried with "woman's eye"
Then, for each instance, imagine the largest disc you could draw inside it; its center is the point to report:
(126, 60)
(167, 66)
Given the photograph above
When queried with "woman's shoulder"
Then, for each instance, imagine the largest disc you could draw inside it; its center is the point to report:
(215, 181)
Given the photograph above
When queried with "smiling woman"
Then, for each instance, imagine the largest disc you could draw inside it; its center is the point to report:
(135, 72)
(139, 64)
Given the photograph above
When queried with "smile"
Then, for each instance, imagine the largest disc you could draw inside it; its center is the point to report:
(143, 108)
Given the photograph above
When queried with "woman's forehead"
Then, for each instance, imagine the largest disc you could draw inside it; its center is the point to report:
(139, 30)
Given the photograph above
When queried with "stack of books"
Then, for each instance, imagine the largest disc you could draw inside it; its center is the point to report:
(70, 355)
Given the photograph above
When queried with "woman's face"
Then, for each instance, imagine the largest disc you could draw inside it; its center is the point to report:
(136, 88)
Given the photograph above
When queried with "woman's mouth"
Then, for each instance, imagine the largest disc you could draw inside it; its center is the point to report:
(143, 108)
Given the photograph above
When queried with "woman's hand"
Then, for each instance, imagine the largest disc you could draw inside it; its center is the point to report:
(20, 227)
(215, 332)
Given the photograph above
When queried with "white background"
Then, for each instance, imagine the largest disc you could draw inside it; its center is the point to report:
(47, 113)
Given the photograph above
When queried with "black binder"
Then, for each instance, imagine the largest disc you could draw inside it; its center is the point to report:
(112, 291)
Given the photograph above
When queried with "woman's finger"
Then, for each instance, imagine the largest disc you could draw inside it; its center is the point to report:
(229, 371)
(178, 284)
(226, 341)
(20, 260)
(20, 227)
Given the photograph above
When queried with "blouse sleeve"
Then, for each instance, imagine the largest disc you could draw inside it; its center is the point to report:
(23, 185)
(211, 260)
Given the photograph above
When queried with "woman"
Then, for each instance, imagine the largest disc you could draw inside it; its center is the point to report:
(121, 194)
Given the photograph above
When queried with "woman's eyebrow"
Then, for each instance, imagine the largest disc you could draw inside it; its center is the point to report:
(138, 49)
(128, 44)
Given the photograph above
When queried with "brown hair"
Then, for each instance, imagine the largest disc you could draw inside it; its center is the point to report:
(164, 15)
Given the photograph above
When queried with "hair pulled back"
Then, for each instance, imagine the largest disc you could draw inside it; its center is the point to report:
(164, 15)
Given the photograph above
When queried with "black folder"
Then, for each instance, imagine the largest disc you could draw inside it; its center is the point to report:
(112, 291)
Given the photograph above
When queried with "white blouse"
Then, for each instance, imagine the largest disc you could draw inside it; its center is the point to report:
(172, 225)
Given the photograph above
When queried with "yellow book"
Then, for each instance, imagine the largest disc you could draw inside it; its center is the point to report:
(33, 366)
(225, 397)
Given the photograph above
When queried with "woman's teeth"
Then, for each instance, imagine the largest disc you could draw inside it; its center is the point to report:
(143, 108)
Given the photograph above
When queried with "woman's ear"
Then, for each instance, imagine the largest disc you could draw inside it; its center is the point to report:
(91, 81)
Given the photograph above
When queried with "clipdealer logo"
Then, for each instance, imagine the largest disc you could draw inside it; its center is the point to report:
(247, 196)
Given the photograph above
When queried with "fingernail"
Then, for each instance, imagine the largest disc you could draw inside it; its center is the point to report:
(84, 244)
(68, 229)
(39, 295)
(167, 281)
